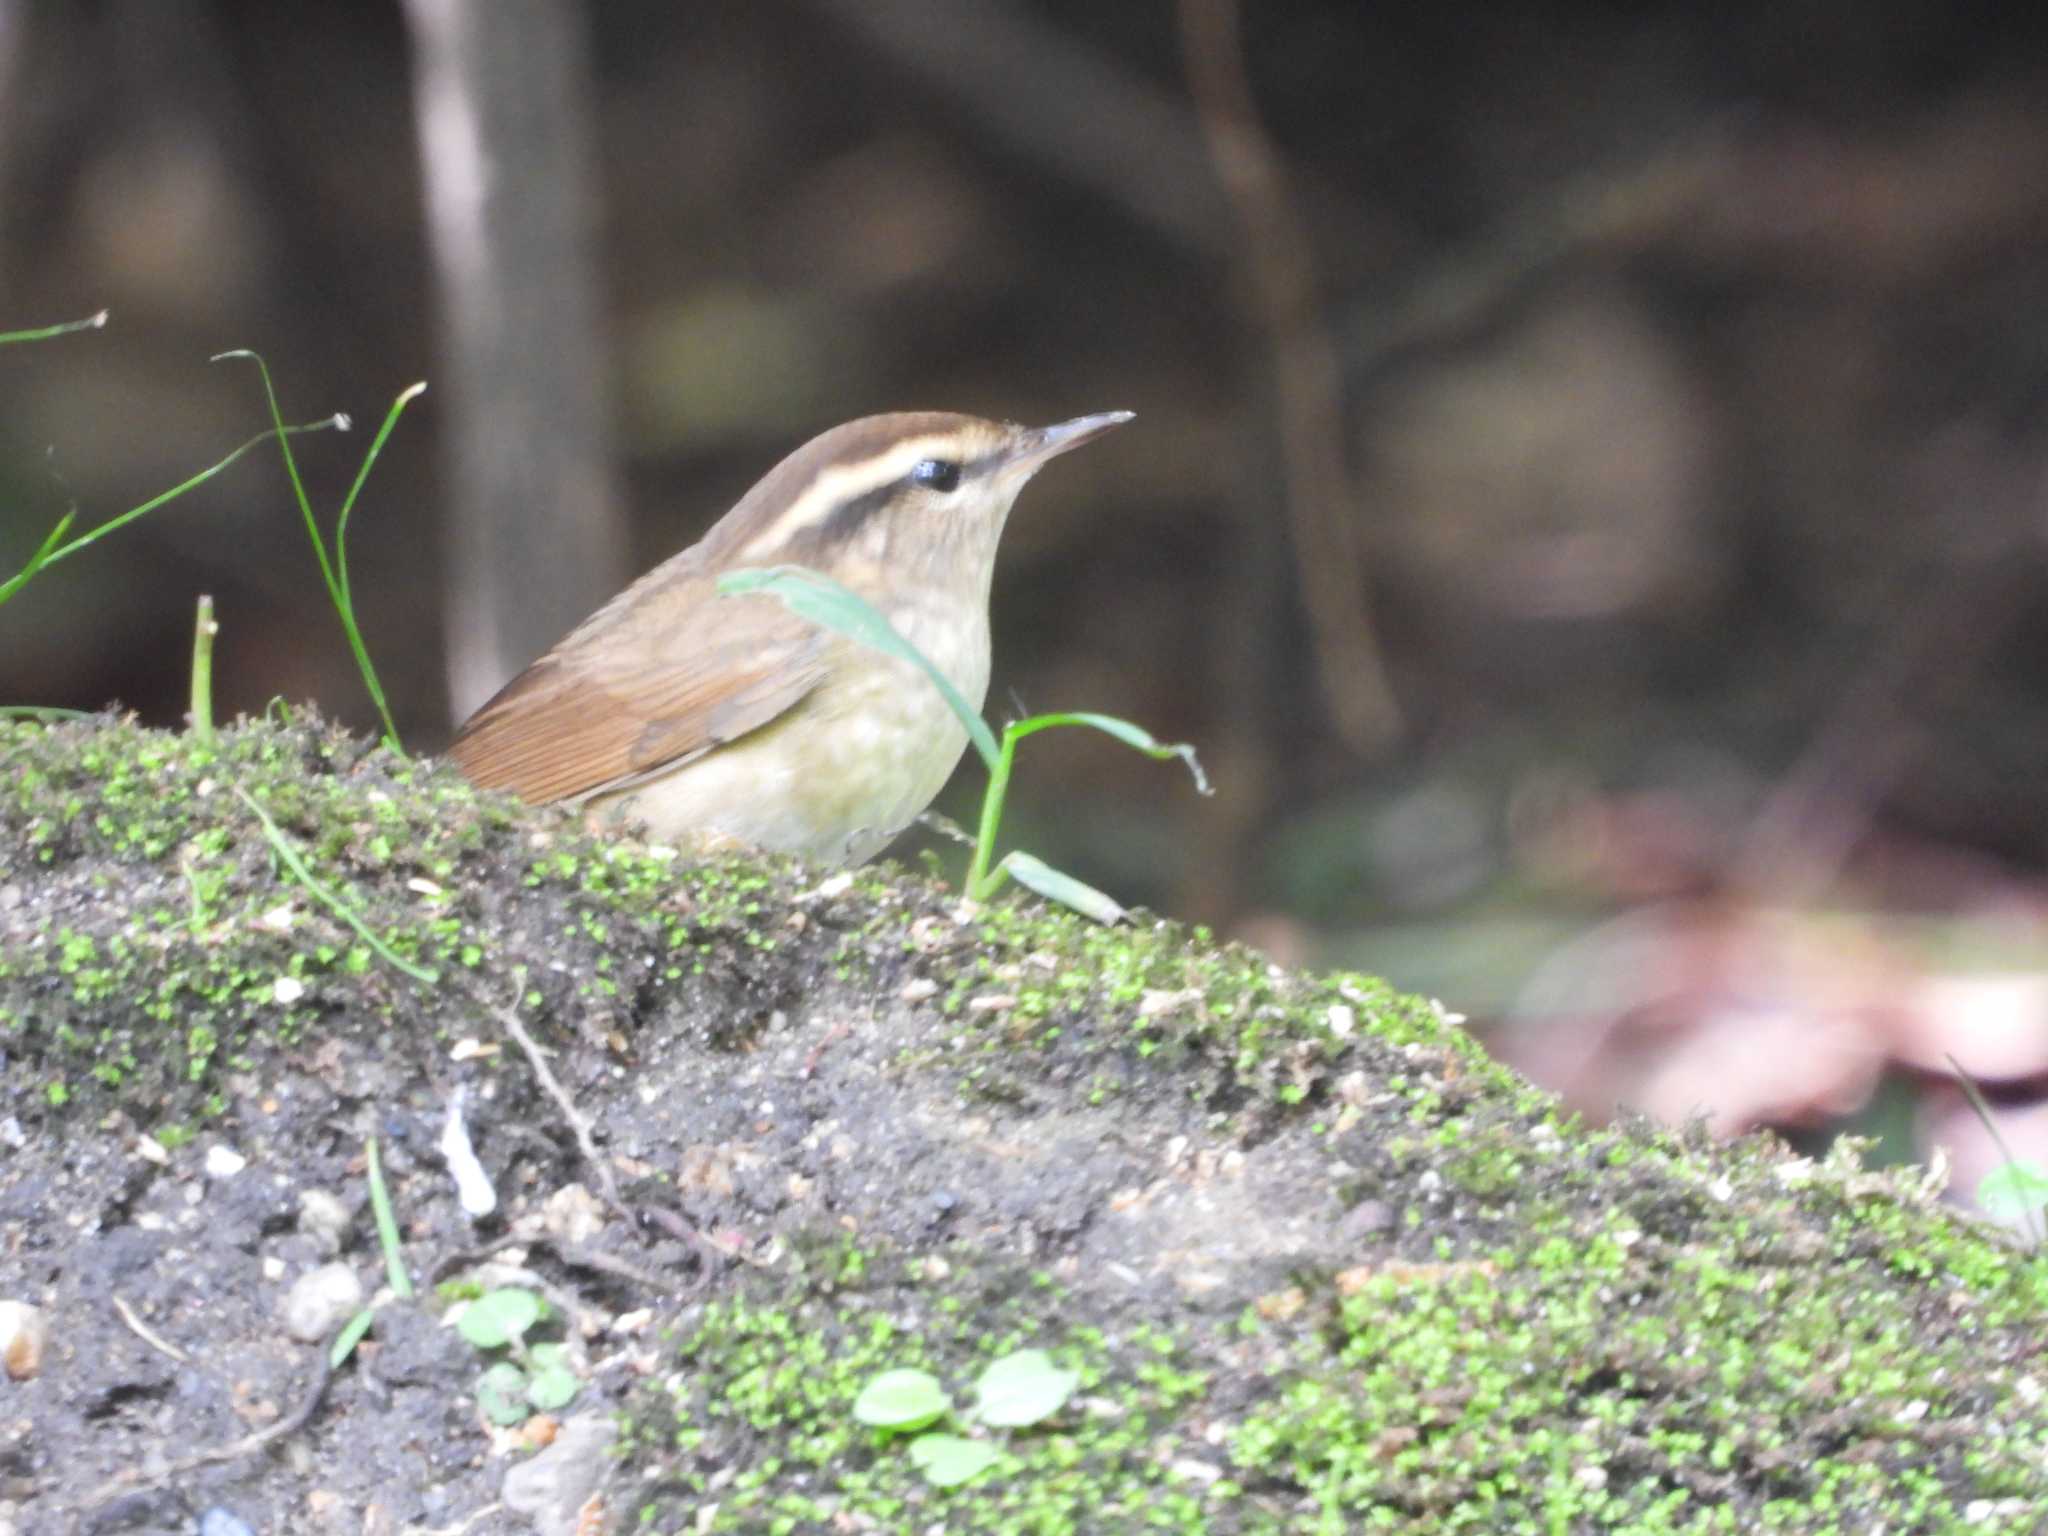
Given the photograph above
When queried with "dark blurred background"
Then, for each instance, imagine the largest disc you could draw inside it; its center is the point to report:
(1586, 503)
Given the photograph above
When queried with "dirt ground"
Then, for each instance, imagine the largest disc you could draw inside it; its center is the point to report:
(1320, 1266)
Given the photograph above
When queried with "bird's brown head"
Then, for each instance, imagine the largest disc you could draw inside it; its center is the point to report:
(916, 496)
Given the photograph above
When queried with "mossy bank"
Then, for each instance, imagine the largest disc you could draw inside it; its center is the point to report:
(1322, 1267)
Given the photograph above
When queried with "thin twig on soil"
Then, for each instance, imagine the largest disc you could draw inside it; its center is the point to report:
(608, 1184)
(569, 1253)
(142, 1331)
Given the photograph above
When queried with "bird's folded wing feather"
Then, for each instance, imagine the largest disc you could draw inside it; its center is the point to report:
(640, 688)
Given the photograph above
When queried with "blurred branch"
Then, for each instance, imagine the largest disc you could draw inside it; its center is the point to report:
(1322, 497)
(1937, 633)
(502, 103)
(1608, 208)
(1057, 102)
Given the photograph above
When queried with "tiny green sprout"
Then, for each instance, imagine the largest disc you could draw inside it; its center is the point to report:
(1034, 874)
(327, 898)
(538, 1377)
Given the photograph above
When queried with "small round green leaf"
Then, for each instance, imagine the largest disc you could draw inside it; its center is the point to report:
(501, 1393)
(901, 1399)
(2014, 1191)
(1022, 1389)
(497, 1318)
(947, 1461)
(552, 1387)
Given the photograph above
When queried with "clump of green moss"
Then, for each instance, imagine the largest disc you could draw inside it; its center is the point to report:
(1599, 1377)
(150, 930)
(163, 930)
(1586, 1374)
(754, 1430)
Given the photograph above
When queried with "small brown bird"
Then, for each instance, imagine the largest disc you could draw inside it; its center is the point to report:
(723, 721)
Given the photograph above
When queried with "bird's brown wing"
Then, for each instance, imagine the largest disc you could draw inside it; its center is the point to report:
(662, 675)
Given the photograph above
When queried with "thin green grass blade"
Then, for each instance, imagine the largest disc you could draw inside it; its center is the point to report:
(203, 631)
(42, 712)
(329, 900)
(387, 1222)
(351, 1335)
(1130, 735)
(39, 559)
(45, 332)
(325, 424)
(52, 556)
(291, 463)
(1037, 875)
(824, 601)
(348, 504)
(334, 568)
(346, 604)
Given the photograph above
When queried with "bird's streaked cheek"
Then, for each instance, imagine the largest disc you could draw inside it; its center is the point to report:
(869, 547)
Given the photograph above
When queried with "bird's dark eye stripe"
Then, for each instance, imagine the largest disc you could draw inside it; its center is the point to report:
(936, 474)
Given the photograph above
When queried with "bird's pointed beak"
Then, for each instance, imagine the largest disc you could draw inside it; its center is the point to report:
(1040, 444)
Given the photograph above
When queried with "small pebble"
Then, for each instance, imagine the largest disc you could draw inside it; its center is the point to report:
(320, 1301)
(572, 1214)
(323, 1218)
(24, 1336)
(550, 1488)
(224, 1162)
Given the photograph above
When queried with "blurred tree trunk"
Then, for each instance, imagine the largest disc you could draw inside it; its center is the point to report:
(502, 102)
(10, 49)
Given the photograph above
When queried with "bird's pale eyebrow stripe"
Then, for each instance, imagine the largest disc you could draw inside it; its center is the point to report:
(845, 520)
(827, 511)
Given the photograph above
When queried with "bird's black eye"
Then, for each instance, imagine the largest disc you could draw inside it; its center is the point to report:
(936, 474)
